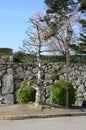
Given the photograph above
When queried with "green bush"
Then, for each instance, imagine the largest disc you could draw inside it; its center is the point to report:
(25, 95)
(19, 56)
(58, 92)
(6, 51)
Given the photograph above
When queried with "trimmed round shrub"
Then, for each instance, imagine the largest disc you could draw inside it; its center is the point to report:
(25, 95)
(6, 51)
(58, 93)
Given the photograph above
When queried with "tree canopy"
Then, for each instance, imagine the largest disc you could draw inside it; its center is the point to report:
(59, 6)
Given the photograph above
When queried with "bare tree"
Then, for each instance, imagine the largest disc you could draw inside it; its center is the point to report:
(36, 43)
(39, 41)
(56, 31)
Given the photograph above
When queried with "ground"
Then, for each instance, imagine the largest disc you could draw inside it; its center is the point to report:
(21, 111)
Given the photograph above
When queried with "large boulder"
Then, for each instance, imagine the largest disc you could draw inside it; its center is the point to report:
(8, 99)
(7, 87)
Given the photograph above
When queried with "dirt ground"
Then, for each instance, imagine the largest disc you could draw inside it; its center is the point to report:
(30, 109)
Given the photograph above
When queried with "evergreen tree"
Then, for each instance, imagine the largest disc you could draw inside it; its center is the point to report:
(61, 12)
(83, 5)
(82, 43)
(80, 48)
(59, 15)
(58, 6)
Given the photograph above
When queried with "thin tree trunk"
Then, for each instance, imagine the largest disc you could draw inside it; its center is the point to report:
(39, 87)
(39, 77)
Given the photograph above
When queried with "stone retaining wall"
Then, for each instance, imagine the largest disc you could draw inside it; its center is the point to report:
(12, 75)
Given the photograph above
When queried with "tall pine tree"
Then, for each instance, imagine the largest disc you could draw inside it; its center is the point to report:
(82, 43)
(60, 12)
(80, 47)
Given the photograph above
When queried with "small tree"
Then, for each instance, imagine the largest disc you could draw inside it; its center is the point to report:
(59, 15)
(36, 44)
(60, 18)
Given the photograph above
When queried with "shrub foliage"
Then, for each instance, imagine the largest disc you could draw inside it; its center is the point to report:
(5, 51)
(58, 92)
(26, 94)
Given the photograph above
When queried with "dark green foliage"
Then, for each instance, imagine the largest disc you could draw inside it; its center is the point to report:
(82, 43)
(58, 93)
(59, 9)
(53, 58)
(5, 51)
(80, 48)
(22, 57)
(56, 5)
(83, 5)
(61, 58)
(19, 56)
(25, 95)
(83, 22)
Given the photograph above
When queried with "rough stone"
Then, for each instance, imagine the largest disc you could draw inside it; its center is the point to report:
(8, 99)
(81, 89)
(13, 74)
(77, 82)
(85, 84)
(0, 83)
(79, 102)
(8, 86)
(48, 101)
(9, 71)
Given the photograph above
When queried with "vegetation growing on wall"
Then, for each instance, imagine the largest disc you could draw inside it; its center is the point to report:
(5, 51)
(20, 57)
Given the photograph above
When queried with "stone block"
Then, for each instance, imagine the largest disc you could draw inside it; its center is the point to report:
(8, 99)
(7, 85)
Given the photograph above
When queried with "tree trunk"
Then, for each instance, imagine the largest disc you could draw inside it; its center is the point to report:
(39, 87)
(39, 75)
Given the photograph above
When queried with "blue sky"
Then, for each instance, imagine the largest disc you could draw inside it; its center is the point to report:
(13, 20)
